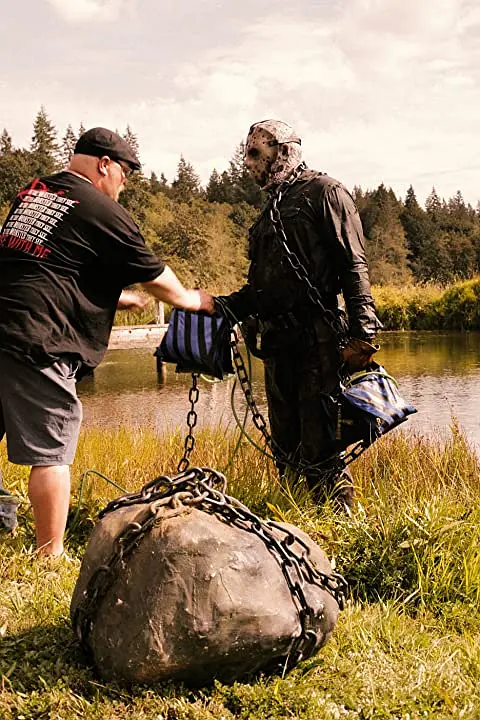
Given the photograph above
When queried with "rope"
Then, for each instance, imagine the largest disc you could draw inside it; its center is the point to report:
(80, 492)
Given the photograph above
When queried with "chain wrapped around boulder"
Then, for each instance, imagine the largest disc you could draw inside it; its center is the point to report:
(181, 581)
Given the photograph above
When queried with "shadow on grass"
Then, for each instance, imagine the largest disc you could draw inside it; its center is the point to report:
(41, 656)
(49, 657)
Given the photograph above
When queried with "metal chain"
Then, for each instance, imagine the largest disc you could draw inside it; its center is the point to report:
(192, 418)
(300, 271)
(300, 467)
(245, 384)
(204, 488)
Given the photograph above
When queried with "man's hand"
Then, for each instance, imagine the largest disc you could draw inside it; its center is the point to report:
(358, 354)
(130, 300)
(207, 302)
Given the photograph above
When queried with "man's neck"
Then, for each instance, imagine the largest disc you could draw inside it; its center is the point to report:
(84, 177)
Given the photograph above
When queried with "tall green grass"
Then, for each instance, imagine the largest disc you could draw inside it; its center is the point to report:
(407, 646)
(414, 307)
(430, 307)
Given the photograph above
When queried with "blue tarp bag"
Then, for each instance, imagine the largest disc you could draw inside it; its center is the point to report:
(197, 342)
(370, 405)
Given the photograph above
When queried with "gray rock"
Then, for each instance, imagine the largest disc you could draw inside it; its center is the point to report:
(197, 600)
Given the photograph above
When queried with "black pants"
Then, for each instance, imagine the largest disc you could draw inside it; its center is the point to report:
(299, 382)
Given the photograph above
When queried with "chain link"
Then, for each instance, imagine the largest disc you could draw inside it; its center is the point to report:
(192, 418)
(335, 463)
(244, 380)
(295, 263)
(205, 488)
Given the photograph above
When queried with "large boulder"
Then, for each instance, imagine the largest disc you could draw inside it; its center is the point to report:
(197, 599)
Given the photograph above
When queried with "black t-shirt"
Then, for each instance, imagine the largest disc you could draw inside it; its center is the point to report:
(66, 252)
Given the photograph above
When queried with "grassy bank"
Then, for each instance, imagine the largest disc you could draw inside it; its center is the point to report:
(414, 307)
(407, 646)
(430, 307)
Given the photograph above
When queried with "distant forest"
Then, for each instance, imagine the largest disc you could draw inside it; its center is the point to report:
(202, 231)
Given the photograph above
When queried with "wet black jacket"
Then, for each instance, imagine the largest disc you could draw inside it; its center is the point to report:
(324, 230)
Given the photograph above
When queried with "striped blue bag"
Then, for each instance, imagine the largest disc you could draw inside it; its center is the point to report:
(198, 343)
(370, 405)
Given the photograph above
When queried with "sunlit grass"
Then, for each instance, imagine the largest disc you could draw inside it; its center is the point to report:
(406, 646)
(430, 306)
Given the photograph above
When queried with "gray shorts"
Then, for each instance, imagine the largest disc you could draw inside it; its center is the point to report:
(39, 411)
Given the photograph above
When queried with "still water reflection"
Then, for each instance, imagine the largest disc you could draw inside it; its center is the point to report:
(438, 373)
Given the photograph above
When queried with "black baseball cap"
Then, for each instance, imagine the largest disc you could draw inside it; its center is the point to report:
(99, 142)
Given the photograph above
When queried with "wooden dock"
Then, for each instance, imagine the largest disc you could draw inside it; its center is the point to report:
(129, 337)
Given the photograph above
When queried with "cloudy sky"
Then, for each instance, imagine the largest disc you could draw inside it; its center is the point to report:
(380, 90)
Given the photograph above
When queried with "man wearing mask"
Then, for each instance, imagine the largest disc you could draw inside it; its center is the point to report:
(67, 250)
(317, 219)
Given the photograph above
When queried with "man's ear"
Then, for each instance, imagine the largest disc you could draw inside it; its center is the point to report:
(103, 164)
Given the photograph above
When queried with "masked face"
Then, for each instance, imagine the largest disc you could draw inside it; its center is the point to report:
(272, 152)
(260, 154)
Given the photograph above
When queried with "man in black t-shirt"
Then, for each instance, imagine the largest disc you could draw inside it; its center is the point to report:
(67, 250)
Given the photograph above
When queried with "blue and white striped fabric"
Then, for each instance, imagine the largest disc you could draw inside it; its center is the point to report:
(371, 405)
(197, 342)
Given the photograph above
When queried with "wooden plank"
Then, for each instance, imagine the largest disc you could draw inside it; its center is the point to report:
(125, 337)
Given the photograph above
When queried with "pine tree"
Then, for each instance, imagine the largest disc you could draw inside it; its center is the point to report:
(420, 237)
(5, 142)
(68, 145)
(186, 185)
(155, 184)
(44, 146)
(386, 245)
(411, 202)
(215, 189)
(359, 197)
(15, 172)
(132, 140)
(433, 205)
(159, 185)
(243, 186)
(81, 130)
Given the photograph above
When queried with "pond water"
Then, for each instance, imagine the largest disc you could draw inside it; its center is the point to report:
(438, 373)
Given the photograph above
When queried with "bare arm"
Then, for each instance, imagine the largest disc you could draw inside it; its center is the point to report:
(130, 300)
(168, 288)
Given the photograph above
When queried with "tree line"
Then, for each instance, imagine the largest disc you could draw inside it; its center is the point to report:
(202, 232)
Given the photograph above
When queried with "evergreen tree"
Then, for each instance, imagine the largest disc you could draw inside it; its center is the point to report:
(132, 140)
(359, 197)
(159, 185)
(217, 189)
(155, 184)
(16, 171)
(433, 205)
(68, 145)
(419, 234)
(136, 197)
(186, 185)
(243, 186)
(81, 130)
(44, 146)
(385, 238)
(5, 142)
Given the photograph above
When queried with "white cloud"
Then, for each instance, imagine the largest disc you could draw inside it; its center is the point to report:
(380, 90)
(87, 10)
